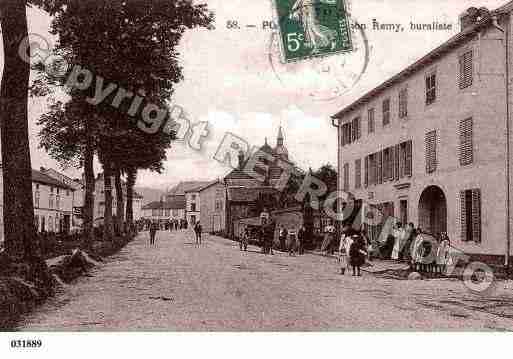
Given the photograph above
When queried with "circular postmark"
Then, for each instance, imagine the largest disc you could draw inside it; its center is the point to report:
(323, 78)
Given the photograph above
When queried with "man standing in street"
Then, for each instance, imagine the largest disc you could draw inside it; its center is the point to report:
(197, 230)
(301, 240)
(153, 232)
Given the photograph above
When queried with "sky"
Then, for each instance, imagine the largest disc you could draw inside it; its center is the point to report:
(234, 79)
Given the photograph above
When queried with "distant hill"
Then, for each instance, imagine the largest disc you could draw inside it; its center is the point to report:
(149, 194)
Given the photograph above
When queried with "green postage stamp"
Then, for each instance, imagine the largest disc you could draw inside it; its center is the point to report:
(313, 28)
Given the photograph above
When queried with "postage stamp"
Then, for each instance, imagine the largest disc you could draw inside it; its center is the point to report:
(310, 28)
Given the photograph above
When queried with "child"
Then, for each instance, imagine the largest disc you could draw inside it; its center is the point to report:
(357, 254)
(343, 250)
(245, 240)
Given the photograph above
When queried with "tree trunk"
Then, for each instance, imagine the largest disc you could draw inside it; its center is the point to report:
(87, 240)
(120, 215)
(131, 177)
(107, 217)
(20, 239)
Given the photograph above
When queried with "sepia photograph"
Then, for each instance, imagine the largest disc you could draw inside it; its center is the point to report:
(303, 167)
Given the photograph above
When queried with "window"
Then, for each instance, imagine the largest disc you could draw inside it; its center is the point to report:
(193, 207)
(57, 190)
(470, 216)
(370, 120)
(466, 146)
(67, 192)
(347, 134)
(430, 154)
(57, 202)
(388, 168)
(403, 103)
(193, 197)
(175, 213)
(346, 177)
(466, 70)
(356, 129)
(50, 224)
(166, 212)
(51, 189)
(36, 222)
(430, 88)
(358, 173)
(50, 201)
(386, 112)
(36, 198)
(372, 169)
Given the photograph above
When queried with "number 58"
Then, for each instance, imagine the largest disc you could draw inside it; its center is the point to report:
(293, 41)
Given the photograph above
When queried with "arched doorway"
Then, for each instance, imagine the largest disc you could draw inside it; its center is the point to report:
(433, 211)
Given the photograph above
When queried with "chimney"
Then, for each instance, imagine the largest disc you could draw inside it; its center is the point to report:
(241, 160)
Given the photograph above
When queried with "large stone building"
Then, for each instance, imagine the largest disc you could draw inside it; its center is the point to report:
(186, 192)
(431, 145)
(213, 207)
(53, 204)
(78, 195)
(164, 212)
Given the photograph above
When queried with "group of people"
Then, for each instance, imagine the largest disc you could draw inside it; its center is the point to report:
(352, 252)
(154, 227)
(290, 240)
(175, 224)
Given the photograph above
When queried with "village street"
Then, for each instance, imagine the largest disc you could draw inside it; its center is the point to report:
(178, 286)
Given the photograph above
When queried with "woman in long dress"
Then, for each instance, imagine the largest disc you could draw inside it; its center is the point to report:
(316, 35)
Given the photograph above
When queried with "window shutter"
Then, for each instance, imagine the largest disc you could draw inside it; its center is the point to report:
(380, 167)
(463, 217)
(346, 176)
(408, 164)
(370, 124)
(430, 155)
(397, 161)
(366, 171)
(476, 215)
(358, 173)
(366, 180)
(466, 70)
(359, 126)
(466, 145)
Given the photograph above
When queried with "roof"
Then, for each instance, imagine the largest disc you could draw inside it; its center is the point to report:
(210, 184)
(177, 202)
(40, 177)
(425, 60)
(244, 194)
(186, 186)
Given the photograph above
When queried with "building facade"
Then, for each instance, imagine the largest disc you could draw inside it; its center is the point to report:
(429, 145)
(78, 195)
(164, 212)
(213, 207)
(192, 206)
(53, 203)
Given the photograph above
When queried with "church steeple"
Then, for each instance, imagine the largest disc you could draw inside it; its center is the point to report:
(279, 141)
(280, 149)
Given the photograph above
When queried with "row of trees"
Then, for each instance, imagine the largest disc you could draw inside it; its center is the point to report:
(129, 43)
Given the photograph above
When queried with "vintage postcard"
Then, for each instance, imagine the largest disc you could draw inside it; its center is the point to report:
(254, 166)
